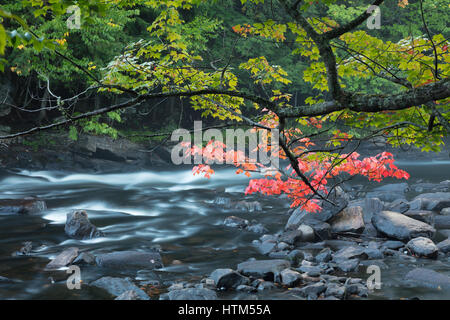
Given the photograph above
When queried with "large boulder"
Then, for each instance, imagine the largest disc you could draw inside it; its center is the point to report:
(434, 201)
(130, 260)
(266, 269)
(79, 227)
(422, 247)
(228, 278)
(398, 226)
(348, 220)
(21, 206)
(428, 278)
(120, 287)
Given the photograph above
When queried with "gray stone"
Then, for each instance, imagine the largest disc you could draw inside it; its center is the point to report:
(399, 226)
(128, 295)
(119, 286)
(192, 294)
(445, 211)
(358, 289)
(265, 285)
(421, 215)
(371, 206)
(130, 260)
(249, 206)
(64, 259)
(313, 291)
(324, 255)
(236, 222)
(291, 237)
(387, 196)
(307, 233)
(351, 265)
(336, 291)
(444, 246)
(322, 230)
(290, 277)
(265, 269)
(422, 247)
(228, 278)
(79, 227)
(21, 206)
(399, 205)
(267, 247)
(85, 258)
(348, 220)
(373, 253)
(434, 201)
(257, 228)
(442, 222)
(394, 187)
(350, 253)
(245, 288)
(393, 244)
(428, 278)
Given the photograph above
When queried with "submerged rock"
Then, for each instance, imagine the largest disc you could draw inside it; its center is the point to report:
(399, 226)
(130, 260)
(119, 287)
(21, 206)
(422, 247)
(79, 227)
(64, 259)
(428, 278)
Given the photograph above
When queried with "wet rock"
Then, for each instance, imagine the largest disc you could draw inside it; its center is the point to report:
(223, 201)
(265, 269)
(434, 201)
(245, 288)
(399, 205)
(21, 206)
(322, 230)
(291, 237)
(373, 253)
(79, 227)
(351, 265)
(444, 246)
(130, 260)
(236, 222)
(358, 289)
(295, 256)
(228, 278)
(421, 215)
(265, 285)
(283, 246)
(393, 244)
(428, 278)
(85, 258)
(118, 286)
(350, 253)
(290, 277)
(387, 196)
(25, 250)
(442, 222)
(324, 256)
(64, 259)
(249, 206)
(399, 226)
(279, 254)
(422, 247)
(313, 291)
(257, 228)
(371, 206)
(394, 187)
(445, 211)
(348, 220)
(335, 291)
(128, 295)
(307, 233)
(267, 247)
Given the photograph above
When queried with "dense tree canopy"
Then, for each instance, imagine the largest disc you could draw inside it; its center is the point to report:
(311, 69)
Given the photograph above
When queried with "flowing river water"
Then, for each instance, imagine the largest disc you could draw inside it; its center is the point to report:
(170, 208)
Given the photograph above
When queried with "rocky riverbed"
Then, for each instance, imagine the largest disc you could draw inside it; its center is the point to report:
(165, 234)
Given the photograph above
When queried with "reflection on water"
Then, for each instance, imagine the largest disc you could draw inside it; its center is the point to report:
(139, 210)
